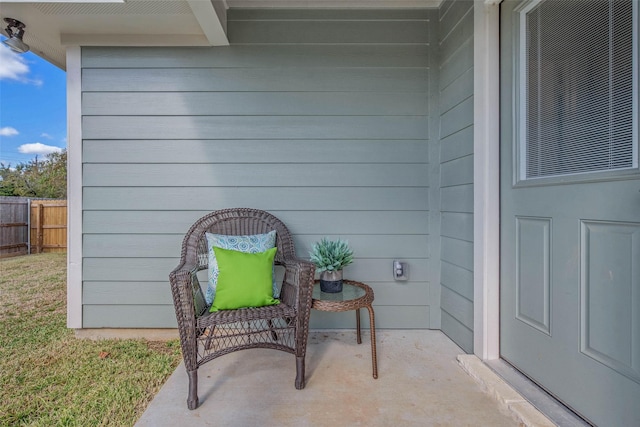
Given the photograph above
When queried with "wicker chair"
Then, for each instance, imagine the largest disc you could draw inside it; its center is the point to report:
(204, 335)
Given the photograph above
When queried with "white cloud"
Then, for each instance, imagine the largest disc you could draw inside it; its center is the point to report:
(12, 66)
(46, 135)
(7, 130)
(38, 148)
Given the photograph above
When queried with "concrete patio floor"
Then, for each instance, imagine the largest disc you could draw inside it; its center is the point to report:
(421, 383)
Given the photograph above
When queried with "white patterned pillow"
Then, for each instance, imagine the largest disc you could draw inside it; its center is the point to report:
(249, 244)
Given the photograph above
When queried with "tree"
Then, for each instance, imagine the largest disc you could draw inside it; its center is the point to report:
(36, 178)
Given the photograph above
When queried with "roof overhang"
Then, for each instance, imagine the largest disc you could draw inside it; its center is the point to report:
(53, 25)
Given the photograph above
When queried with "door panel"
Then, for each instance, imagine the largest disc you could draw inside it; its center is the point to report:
(570, 249)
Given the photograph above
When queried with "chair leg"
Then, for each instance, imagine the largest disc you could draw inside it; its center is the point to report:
(192, 400)
(300, 372)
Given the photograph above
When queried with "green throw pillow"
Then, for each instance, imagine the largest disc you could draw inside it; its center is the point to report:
(244, 279)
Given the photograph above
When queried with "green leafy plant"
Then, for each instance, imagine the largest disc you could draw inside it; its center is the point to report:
(331, 255)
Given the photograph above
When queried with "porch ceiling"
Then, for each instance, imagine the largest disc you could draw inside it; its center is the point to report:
(53, 25)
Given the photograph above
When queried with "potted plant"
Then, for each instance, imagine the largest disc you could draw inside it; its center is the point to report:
(330, 257)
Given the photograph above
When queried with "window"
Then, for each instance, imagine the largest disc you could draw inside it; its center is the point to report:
(578, 108)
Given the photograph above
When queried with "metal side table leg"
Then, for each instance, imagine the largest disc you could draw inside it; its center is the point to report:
(374, 356)
(358, 326)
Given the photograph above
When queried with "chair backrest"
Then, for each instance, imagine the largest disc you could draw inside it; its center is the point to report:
(235, 222)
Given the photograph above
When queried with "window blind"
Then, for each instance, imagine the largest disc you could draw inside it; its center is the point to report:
(579, 87)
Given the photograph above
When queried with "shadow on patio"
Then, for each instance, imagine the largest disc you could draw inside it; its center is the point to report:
(420, 382)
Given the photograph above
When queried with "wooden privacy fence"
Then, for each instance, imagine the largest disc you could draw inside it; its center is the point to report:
(32, 226)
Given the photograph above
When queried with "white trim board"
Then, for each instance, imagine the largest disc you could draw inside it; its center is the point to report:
(74, 187)
(486, 198)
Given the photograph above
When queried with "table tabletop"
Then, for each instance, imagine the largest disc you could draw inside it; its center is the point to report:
(354, 295)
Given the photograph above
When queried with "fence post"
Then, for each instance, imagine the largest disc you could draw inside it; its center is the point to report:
(40, 228)
(29, 226)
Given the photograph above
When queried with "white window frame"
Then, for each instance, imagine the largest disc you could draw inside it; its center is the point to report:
(521, 117)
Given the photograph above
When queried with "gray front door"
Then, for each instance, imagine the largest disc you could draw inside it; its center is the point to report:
(570, 202)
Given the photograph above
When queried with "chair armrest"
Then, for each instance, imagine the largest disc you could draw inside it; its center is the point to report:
(297, 286)
(185, 289)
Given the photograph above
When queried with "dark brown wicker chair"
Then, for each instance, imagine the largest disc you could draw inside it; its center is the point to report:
(205, 336)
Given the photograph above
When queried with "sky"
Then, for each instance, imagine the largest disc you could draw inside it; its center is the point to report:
(33, 116)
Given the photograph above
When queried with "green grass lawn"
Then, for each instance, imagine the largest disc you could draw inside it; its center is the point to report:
(47, 376)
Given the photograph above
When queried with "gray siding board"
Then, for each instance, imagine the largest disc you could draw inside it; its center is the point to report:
(456, 145)
(312, 222)
(131, 245)
(159, 293)
(457, 199)
(460, 90)
(288, 31)
(252, 127)
(257, 151)
(451, 13)
(371, 246)
(458, 117)
(128, 269)
(270, 199)
(311, 79)
(126, 293)
(457, 252)
(410, 294)
(158, 269)
(242, 175)
(379, 269)
(128, 316)
(458, 307)
(254, 103)
(261, 56)
(456, 65)
(458, 279)
(443, 10)
(461, 32)
(457, 225)
(458, 171)
(240, 14)
(167, 245)
(458, 333)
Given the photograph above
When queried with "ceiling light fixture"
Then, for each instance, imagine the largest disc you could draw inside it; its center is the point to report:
(15, 31)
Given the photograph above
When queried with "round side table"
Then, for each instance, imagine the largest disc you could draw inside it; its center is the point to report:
(354, 296)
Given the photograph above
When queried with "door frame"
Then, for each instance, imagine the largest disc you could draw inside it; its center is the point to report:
(486, 180)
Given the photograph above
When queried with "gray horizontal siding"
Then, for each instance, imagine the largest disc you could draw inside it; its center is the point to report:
(254, 127)
(457, 225)
(458, 333)
(277, 198)
(255, 103)
(158, 293)
(155, 269)
(456, 170)
(264, 56)
(276, 79)
(163, 316)
(165, 245)
(314, 222)
(458, 198)
(330, 14)
(241, 175)
(322, 121)
(457, 145)
(457, 279)
(256, 151)
(322, 31)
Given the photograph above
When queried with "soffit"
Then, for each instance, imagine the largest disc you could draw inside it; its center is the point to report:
(52, 25)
